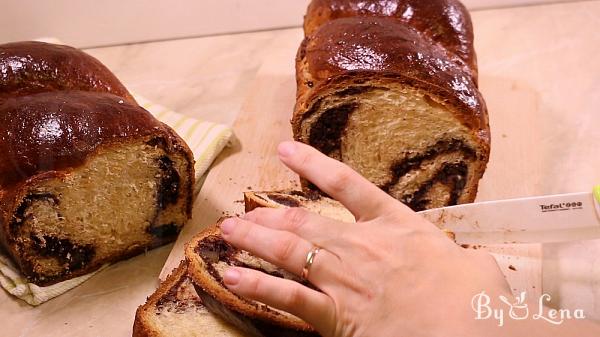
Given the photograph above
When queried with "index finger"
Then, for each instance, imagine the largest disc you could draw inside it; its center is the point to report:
(365, 200)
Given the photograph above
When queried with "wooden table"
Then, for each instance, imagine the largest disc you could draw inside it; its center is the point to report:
(539, 75)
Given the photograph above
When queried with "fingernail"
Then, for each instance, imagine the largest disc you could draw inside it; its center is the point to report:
(227, 226)
(286, 149)
(231, 277)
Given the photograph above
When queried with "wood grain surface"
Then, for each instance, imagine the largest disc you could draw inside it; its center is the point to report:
(251, 162)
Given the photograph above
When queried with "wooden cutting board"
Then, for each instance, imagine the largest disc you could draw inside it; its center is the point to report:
(251, 162)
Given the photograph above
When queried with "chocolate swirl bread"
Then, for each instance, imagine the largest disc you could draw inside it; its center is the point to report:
(86, 177)
(32, 67)
(398, 107)
(208, 256)
(175, 310)
(310, 200)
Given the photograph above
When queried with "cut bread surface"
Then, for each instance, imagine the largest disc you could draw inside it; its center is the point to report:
(176, 310)
(126, 198)
(400, 139)
(310, 200)
(208, 256)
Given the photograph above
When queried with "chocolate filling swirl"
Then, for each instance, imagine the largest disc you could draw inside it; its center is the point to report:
(213, 249)
(326, 136)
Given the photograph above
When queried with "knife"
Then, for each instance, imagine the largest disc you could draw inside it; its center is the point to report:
(553, 218)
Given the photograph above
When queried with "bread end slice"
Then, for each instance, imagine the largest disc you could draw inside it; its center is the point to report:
(175, 310)
(208, 256)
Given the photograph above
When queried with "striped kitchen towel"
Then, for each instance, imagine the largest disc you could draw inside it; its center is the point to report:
(205, 139)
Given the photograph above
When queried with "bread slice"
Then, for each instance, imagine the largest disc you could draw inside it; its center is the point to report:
(176, 310)
(208, 256)
(310, 200)
(87, 179)
(396, 107)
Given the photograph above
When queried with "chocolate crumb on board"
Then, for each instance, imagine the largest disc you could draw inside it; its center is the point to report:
(468, 246)
(511, 267)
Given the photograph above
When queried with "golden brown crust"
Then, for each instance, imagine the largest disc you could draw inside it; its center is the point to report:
(46, 135)
(32, 67)
(350, 52)
(446, 22)
(206, 283)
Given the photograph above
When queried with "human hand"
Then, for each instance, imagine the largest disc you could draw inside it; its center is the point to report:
(392, 273)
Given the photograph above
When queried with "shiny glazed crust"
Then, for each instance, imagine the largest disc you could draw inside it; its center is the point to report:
(32, 67)
(389, 52)
(446, 22)
(49, 135)
(54, 131)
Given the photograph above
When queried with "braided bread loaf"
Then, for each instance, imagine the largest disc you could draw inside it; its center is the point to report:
(87, 176)
(389, 87)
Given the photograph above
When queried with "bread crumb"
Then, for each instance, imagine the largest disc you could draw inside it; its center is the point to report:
(467, 246)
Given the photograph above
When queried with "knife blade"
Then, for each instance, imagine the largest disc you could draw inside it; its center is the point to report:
(553, 218)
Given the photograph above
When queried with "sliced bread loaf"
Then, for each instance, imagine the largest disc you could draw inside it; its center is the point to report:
(400, 109)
